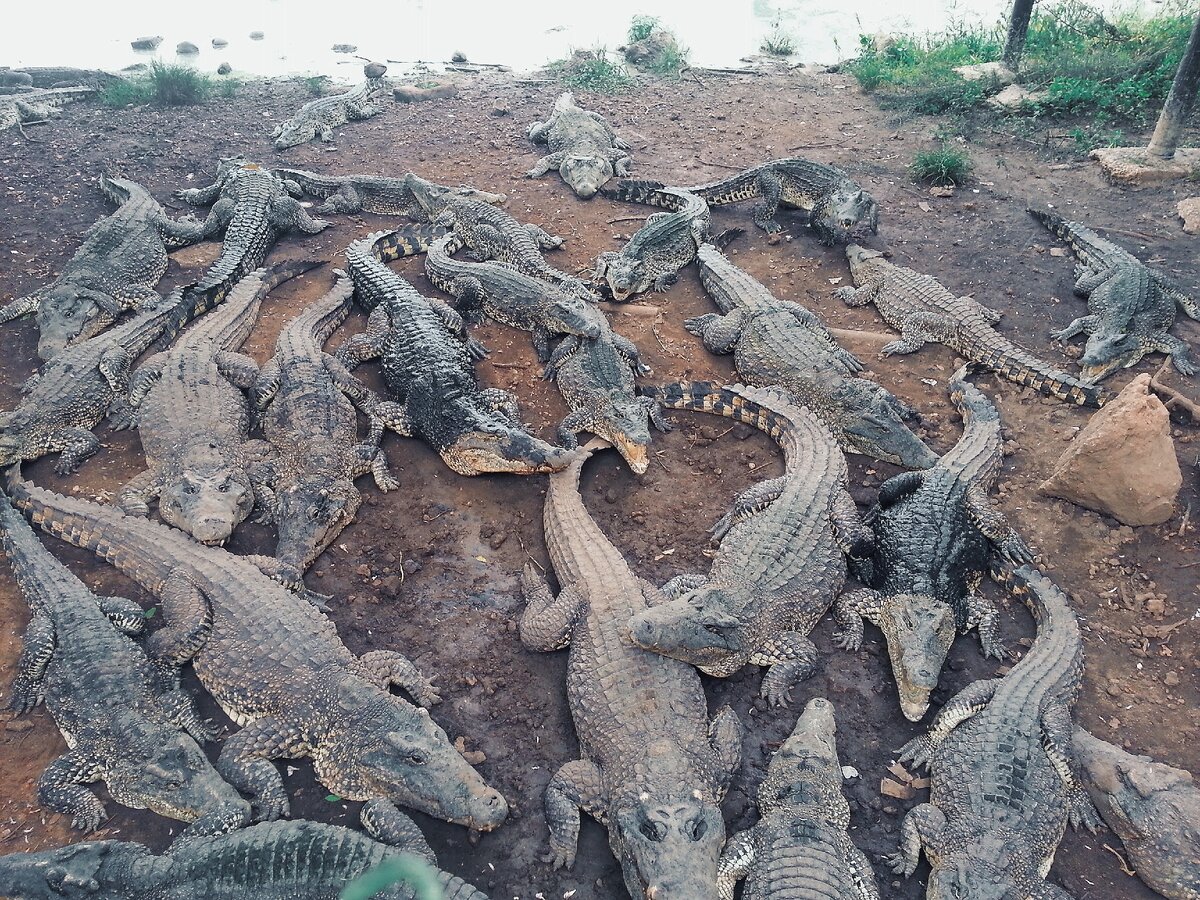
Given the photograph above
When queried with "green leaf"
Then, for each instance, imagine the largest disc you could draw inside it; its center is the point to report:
(149, 614)
(332, 798)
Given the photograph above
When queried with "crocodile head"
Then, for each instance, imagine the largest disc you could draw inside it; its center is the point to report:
(14, 429)
(293, 132)
(67, 313)
(845, 212)
(872, 422)
(810, 750)
(88, 869)
(497, 447)
(625, 276)
(697, 627)
(586, 174)
(377, 745)
(208, 497)
(860, 259)
(919, 631)
(570, 313)
(625, 424)
(430, 196)
(666, 831)
(311, 512)
(1106, 353)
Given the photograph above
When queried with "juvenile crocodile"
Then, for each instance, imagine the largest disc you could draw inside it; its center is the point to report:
(1153, 808)
(318, 118)
(836, 205)
(777, 342)
(122, 726)
(277, 667)
(409, 195)
(1131, 306)
(782, 558)
(583, 148)
(923, 310)
(122, 258)
(1003, 767)
(304, 397)
(194, 420)
(800, 848)
(510, 296)
(428, 362)
(653, 767)
(297, 860)
(935, 533)
(664, 245)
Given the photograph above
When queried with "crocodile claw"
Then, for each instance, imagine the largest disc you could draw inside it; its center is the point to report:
(560, 858)
(917, 751)
(90, 819)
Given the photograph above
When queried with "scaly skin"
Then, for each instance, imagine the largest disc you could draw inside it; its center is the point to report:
(277, 668)
(800, 848)
(837, 207)
(194, 420)
(1131, 307)
(1153, 808)
(297, 860)
(409, 195)
(318, 118)
(428, 361)
(1003, 769)
(121, 723)
(782, 558)
(35, 107)
(122, 258)
(654, 768)
(777, 342)
(935, 533)
(583, 148)
(922, 310)
(665, 244)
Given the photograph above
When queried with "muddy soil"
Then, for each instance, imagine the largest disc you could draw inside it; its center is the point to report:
(431, 569)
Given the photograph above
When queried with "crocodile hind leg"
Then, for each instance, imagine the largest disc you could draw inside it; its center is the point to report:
(345, 200)
(1179, 352)
(384, 822)
(545, 164)
(134, 499)
(719, 334)
(544, 239)
(61, 789)
(918, 329)
(654, 411)
(38, 650)
(245, 762)
(188, 619)
(922, 827)
(982, 616)
(287, 213)
(547, 622)
(749, 503)
(850, 610)
(725, 738)
(181, 710)
(770, 186)
(127, 616)
(994, 526)
(78, 444)
(387, 667)
(792, 658)
(368, 345)
(737, 861)
(238, 369)
(991, 316)
(855, 539)
(368, 457)
(577, 786)
(1057, 732)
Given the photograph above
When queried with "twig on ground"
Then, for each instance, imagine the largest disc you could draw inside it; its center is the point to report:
(1124, 865)
(1133, 234)
(718, 165)
(625, 219)
(1172, 399)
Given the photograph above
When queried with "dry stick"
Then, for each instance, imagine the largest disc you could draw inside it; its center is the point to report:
(626, 219)
(1124, 865)
(1172, 397)
(719, 165)
(696, 77)
(1135, 234)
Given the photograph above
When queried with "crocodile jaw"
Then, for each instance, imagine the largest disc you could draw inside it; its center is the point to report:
(515, 452)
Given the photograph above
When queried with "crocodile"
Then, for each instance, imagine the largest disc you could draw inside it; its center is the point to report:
(1131, 306)
(409, 195)
(922, 309)
(1153, 808)
(120, 725)
(782, 558)
(122, 258)
(1003, 770)
(836, 206)
(510, 296)
(583, 148)
(276, 666)
(318, 118)
(778, 342)
(36, 107)
(935, 532)
(297, 860)
(194, 420)
(800, 847)
(653, 767)
(428, 363)
(307, 406)
(667, 242)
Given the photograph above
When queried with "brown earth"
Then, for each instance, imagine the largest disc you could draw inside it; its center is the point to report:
(432, 569)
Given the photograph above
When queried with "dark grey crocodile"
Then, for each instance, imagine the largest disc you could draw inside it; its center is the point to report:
(800, 848)
(664, 245)
(935, 533)
(782, 558)
(1131, 307)
(194, 420)
(122, 726)
(1003, 770)
(122, 258)
(277, 668)
(923, 310)
(409, 195)
(776, 342)
(318, 118)
(297, 860)
(835, 205)
(653, 768)
(428, 362)
(1152, 807)
(583, 148)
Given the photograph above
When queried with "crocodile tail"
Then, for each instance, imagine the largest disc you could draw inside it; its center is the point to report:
(1088, 246)
(116, 190)
(1045, 599)
(651, 193)
(411, 240)
(992, 351)
(770, 410)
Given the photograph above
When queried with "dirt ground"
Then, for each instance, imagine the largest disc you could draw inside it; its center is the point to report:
(431, 569)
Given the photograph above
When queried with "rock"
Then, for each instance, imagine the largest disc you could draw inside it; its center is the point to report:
(224, 69)
(407, 93)
(218, 43)
(1123, 463)
(458, 56)
(374, 70)
(146, 43)
(1014, 97)
(998, 71)
(345, 48)
(136, 67)
(1133, 165)
(1189, 211)
(187, 48)
(650, 52)
(500, 108)
(257, 35)
(881, 41)
(10, 78)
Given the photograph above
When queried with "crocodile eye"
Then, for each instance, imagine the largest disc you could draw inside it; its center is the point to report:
(224, 489)
(415, 759)
(697, 828)
(652, 831)
(189, 488)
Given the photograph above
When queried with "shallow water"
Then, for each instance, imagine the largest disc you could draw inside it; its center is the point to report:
(523, 34)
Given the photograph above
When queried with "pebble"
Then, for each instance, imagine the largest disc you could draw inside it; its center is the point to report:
(1171, 679)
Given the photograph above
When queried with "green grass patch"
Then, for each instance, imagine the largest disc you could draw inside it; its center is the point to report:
(315, 84)
(167, 85)
(672, 61)
(777, 41)
(591, 70)
(641, 27)
(945, 166)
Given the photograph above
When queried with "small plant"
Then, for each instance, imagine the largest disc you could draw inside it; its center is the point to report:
(227, 87)
(315, 85)
(126, 92)
(945, 166)
(671, 61)
(167, 85)
(592, 70)
(642, 27)
(778, 42)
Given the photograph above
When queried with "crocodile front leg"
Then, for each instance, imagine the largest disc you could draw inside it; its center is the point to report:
(538, 131)
(792, 658)
(718, 333)
(849, 610)
(1088, 280)
(38, 650)
(1179, 352)
(146, 375)
(287, 214)
(238, 369)
(368, 345)
(126, 616)
(548, 621)
(737, 859)
(620, 159)
(1057, 738)
(629, 350)
(22, 306)
(387, 667)
(545, 164)
(266, 385)
(725, 738)
(654, 411)
(899, 487)
(188, 622)
(922, 827)
(1082, 325)
(78, 444)
(61, 789)
(863, 295)
(982, 615)
(134, 499)
(384, 822)
(245, 762)
(367, 457)
(578, 785)
(544, 239)
(203, 196)
(181, 710)
(854, 538)
(770, 185)
(994, 526)
(345, 200)
(749, 503)
(565, 348)
(961, 707)
(682, 584)
(390, 415)
(503, 402)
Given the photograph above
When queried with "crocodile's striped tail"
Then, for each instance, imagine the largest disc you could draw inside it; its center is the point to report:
(411, 240)
(1088, 246)
(990, 350)
(769, 409)
(650, 193)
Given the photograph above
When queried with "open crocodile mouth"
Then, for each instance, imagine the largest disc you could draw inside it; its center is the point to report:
(1096, 372)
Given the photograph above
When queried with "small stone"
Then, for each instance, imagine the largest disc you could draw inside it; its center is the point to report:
(611, 495)
(186, 48)
(458, 56)
(1171, 679)
(345, 48)
(219, 43)
(1014, 97)
(987, 71)
(500, 109)
(224, 68)
(1189, 211)
(18, 725)
(257, 35)
(1156, 606)
(374, 70)
(497, 540)
(407, 93)
(364, 571)
(1113, 689)
(411, 566)
(147, 43)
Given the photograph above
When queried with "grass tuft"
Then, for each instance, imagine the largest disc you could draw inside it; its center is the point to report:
(945, 166)
(592, 70)
(777, 41)
(167, 85)
(642, 27)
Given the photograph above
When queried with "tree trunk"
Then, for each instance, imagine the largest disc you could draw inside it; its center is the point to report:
(1180, 101)
(1018, 27)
